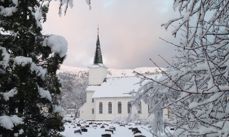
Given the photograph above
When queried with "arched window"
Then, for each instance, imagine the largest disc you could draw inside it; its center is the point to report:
(129, 107)
(93, 111)
(100, 107)
(140, 108)
(109, 107)
(119, 107)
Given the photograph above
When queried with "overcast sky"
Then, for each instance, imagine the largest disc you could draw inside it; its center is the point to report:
(129, 31)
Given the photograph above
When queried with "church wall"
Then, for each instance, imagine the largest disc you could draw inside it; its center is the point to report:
(105, 115)
(115, 115)
(86, 109)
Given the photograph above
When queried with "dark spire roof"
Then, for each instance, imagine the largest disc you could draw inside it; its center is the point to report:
(98, 54)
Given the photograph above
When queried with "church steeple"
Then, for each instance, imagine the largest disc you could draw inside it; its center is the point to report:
(98, 54)
(97, 74)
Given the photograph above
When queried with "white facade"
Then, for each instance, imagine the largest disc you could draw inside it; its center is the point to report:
(113, 91)
(91, 110)
(86, 109)
(115, 114)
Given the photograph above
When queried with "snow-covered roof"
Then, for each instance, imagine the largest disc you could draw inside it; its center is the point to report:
(93, 88)
(116, 87)
(97, 66)
(130, 72)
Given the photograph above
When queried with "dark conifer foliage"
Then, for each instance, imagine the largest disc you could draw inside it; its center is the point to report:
(29, 86)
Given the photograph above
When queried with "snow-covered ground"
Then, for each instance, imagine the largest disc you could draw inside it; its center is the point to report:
(93, 131)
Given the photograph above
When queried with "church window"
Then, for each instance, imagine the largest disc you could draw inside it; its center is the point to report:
(109, 107)
(92, 100)
(100, 107)
(93, 111)
(140, 108)
(119, 107)
(129, 107)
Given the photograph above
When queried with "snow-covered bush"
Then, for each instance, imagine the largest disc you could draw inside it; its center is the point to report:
(73, 88)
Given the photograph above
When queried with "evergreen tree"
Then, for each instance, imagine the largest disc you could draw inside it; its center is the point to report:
(29, 86)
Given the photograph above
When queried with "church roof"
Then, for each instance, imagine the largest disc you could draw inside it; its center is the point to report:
(123, 84)
(116, 87)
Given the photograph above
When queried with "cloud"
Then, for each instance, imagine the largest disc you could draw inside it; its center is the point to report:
(129, 31)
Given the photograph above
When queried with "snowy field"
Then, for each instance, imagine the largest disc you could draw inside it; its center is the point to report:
(95, 130)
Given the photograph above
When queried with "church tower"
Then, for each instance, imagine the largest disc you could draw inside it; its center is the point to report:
(97, 72)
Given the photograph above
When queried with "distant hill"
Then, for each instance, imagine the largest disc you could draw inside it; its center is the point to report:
(112, 72)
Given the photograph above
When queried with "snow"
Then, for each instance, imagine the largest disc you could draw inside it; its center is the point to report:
(22, 61)
(44, 94)
(120, 86)
(58, 44)
(6, 57)
(112, 72)
(15, 2)
(116, 87)
(97, 131)
(88, 2)
(21, 131)
(97, 66)
(37, 15)
(206, 101)
(131, 72)
(67, 2)
(175, 4)
(9, 94)
(8, 11)
(8, 122)
(39, 70)
(64, 5)
(58, 109)
(70, 69)
(186, 16)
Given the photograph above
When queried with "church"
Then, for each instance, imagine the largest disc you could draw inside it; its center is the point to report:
(109, 98)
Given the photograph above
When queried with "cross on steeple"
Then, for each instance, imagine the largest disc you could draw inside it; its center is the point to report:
(98, 54)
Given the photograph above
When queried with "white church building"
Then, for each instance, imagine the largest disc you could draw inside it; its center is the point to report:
(109, 98)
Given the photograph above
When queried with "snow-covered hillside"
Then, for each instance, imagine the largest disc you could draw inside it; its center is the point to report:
(111, 71)
(73, 87)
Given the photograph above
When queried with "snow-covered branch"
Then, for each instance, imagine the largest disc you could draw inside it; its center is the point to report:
(194, 90)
